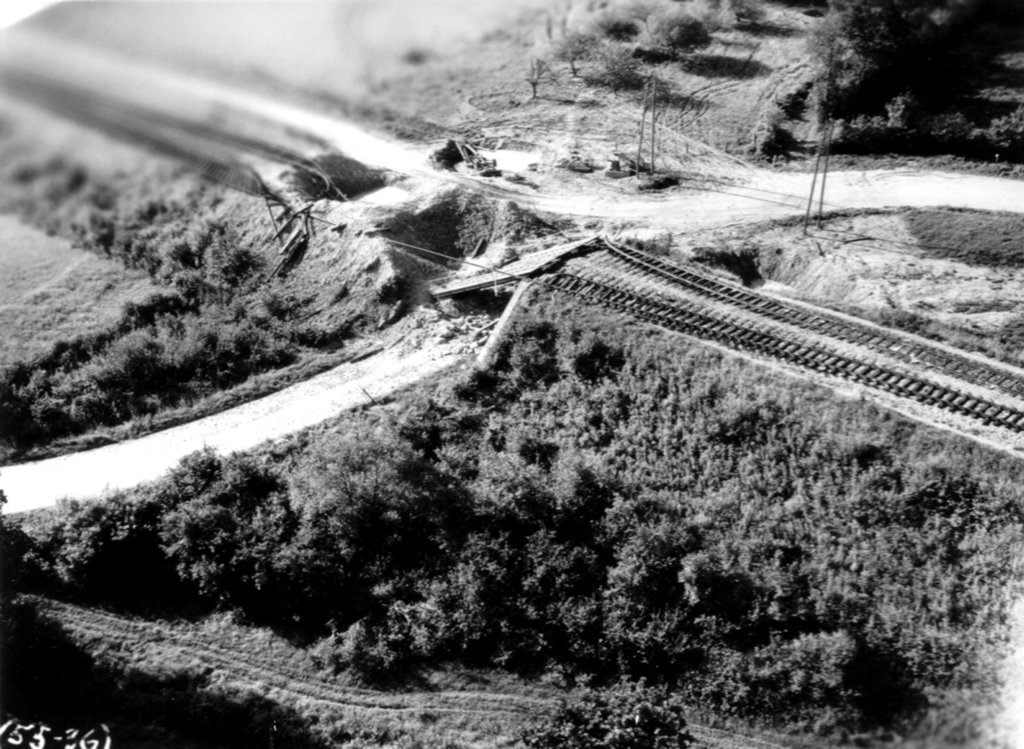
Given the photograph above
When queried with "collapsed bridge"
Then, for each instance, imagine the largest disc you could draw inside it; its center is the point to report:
(681, 298)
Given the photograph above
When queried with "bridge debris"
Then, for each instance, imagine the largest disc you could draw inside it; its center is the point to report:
(534, 264)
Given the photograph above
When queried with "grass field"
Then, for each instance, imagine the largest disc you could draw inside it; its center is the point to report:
(972, 237)
(50, 291)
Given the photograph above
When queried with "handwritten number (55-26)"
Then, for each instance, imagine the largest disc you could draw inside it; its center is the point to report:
(42, 736)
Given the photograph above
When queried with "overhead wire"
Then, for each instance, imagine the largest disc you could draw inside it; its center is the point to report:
(117, 115)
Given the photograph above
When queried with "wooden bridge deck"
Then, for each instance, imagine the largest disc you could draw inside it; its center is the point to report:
(528, 267)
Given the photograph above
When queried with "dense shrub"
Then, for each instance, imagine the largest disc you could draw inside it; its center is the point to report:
(864, 51)
(617, 68)
(136, 368)
(208, 330)
(226, 520)
(628, 716)
(617, 25)
(606, 502)
(374, 520)
(576, 46)
(1006, 135)
(868, 52)
(110, 550)
(678, 33)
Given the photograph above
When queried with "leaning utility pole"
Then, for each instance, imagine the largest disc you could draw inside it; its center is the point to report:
(640, 142)
(825, 144)
(654, 115)
(824, 173)
(650, 101)
(814, 184)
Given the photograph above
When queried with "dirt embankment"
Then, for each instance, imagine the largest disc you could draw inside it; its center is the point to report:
(967, 291)
(354, 268)
(875, 262)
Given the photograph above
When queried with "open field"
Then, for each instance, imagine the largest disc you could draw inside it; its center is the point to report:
(50, 291)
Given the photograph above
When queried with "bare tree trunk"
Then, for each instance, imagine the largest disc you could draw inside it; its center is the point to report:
(824, 173)
(654, 116)
(640, 144)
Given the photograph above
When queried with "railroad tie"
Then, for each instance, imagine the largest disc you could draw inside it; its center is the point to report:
(1005, 415)
(892, 380)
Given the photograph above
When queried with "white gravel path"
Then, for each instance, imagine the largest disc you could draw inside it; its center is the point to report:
(91, 473)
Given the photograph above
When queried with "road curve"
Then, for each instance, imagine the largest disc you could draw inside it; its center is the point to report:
(123, 465)
(764, 194)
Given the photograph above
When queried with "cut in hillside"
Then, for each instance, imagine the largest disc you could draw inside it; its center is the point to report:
(954, 276)
(235, 293)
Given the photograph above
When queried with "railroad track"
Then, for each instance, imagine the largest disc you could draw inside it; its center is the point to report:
(763, 340)
(890, 344)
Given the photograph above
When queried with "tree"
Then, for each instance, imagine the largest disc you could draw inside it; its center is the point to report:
(617, 68)
(869, 51)
(679, 33)
(628, 716)
(539, 70)
(224, 530)
(1006, 135)
(575, 46)
(374, 519)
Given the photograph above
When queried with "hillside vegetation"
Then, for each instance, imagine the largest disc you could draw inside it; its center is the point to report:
(210, 324)
(223, 308)
(921, 77)
(607, 501)
(49, 291)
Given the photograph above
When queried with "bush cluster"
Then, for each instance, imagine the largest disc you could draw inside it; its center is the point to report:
(885, 71)
(211, 327)
(627, 716)
(599, 505)
(919, 133)
(619, 40)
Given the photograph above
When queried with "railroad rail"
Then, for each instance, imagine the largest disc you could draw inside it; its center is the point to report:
(890, 344)
(687, 318)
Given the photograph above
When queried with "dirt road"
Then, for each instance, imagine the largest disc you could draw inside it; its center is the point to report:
(750, 194)
(93, 472)
(761, 194)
